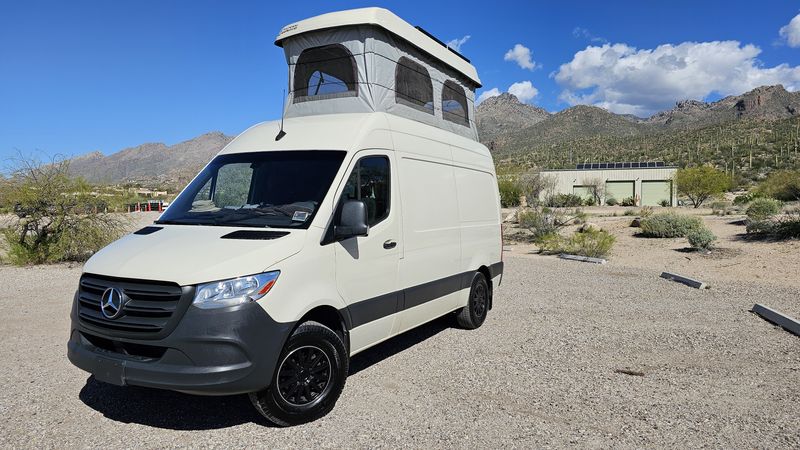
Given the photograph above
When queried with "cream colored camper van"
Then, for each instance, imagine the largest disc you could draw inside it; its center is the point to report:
(368, 211)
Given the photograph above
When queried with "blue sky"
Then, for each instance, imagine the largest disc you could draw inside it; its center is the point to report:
(104, 75)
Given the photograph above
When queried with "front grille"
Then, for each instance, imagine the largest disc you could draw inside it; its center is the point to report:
(152, 310)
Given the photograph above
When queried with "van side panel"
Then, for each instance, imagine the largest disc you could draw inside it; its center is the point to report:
(478, 212)
(430, 267)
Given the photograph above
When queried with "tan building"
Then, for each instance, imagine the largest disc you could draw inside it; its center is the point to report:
(647, 183)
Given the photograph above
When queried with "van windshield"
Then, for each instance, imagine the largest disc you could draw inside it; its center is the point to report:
(280, 189)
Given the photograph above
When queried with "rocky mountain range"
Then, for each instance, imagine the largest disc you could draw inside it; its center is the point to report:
(506, 125)
(150, 163)
(498, 125)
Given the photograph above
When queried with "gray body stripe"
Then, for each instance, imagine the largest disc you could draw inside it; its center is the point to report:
(375, 308)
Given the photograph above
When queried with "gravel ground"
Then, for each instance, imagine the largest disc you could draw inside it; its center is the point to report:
(539, 373)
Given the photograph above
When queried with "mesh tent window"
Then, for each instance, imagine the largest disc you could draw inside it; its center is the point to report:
(454, 103)
(325, 72)
(413, 86)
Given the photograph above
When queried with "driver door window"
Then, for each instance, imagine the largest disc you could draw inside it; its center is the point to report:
(370, 182)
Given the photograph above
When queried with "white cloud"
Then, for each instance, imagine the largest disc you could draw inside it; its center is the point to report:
(627, 80)
(522, 56)
(524, 91)
(456, 44)
(791, 32)
(493, 92)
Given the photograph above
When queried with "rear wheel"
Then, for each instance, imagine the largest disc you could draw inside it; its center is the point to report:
(309, 378)
(473, 314)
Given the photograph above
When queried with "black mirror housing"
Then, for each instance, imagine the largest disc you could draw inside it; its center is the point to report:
(352, 220)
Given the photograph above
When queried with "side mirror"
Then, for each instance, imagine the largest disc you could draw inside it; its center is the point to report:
(352, 220)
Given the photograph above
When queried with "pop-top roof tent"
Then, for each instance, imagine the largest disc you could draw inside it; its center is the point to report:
(370, 60)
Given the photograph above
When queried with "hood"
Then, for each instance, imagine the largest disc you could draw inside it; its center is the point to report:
(187, 254)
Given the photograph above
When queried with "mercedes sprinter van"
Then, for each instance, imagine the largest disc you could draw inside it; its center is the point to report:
(370, 210)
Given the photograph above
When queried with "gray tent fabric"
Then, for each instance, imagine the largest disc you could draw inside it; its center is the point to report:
(324, 79)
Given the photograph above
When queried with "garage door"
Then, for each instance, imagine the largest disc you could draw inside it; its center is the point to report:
(619, 190)
(654, 192)
(582, 192)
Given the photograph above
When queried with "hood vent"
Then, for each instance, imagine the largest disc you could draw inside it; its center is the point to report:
(148, 230)
(255, 235)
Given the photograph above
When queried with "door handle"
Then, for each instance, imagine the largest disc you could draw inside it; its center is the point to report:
(389, 244)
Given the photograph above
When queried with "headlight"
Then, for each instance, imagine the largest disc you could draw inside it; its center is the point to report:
(236, 291)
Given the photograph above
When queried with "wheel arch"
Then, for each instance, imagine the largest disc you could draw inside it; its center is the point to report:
(330, 317)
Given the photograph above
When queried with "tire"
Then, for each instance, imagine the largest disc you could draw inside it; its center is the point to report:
(473, 314)
(308, 378)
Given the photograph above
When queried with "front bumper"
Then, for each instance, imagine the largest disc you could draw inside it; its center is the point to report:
(212, 352)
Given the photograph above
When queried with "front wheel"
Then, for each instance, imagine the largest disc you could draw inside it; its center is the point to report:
(309, 378)
(473, 314)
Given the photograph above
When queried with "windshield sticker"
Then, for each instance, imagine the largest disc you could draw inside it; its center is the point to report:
(300, 216)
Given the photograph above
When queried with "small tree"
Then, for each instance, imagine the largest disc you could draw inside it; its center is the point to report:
(701, 183)
(57, 216)
(534, 185)
(597, 188)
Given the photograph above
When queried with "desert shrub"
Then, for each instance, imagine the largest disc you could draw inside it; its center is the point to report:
(701, 183)
(781, 185)
(628, 202)
(565, 201)
(544, 221)
(590, 242)
(719, 208)
(629, 212)
(57, 217)
(589, 202)
(669, 225)
(509, 193)
(763, 208)
(611, 201)
(747, 198)
(701, 239)
(665, 203)
(787, 227)
(551, 243)
(646, 211)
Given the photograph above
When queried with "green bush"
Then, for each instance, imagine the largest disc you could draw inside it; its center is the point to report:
(665, 203)
(785, 228)
(611, 201)
(628, 202)
(669, 225)
(763, 208)
(565, 201)
(509, 193)
(630, 212)
(551, 243)
(538, 221)
(747, 198)
(591, 242)
(781, 185)
(701, 239)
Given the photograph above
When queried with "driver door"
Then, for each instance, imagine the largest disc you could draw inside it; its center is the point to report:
(366, 266)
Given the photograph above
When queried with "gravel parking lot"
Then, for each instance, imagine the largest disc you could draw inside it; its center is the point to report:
(540, 372)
